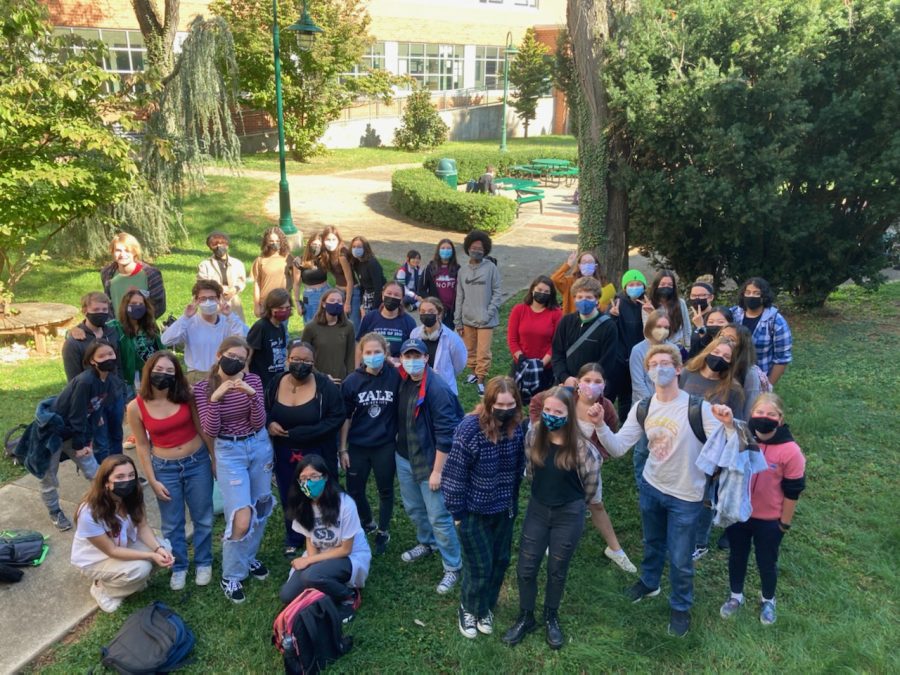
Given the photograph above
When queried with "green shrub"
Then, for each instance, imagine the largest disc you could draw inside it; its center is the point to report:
(471, 163)
(419, 194)
(422, 126)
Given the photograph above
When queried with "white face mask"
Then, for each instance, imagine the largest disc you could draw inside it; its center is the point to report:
(209, 307)
(660, 334)
(331, 244)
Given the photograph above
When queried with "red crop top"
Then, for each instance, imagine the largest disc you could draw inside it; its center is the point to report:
(171, 431)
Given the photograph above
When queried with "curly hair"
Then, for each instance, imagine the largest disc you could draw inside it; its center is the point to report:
(477, 235)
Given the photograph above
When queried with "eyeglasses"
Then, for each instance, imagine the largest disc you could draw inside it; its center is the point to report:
(315, 476)
(305, 361)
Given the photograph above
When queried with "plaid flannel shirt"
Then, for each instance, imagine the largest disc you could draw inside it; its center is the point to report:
(771, 337)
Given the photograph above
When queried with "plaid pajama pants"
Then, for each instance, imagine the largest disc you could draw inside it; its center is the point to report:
(486, 550)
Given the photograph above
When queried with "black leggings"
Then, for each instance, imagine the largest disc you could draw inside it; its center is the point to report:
(363, 461)
(766, 536)
(329, 576)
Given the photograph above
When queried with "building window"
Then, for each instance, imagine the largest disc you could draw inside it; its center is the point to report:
(373, 59)
(489, 67)
(526, 3)
(432, 66)
(126, 50)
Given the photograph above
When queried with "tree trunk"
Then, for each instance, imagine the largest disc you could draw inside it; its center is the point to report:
(159, 34)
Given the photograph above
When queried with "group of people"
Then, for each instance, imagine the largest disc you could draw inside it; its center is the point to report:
(368, 389)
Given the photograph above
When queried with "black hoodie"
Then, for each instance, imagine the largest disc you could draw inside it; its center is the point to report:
(371, 405)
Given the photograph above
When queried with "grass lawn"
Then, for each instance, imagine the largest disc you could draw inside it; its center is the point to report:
(361, 158)
(838, 587)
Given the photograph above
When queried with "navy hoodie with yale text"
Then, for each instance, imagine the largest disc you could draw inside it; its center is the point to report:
(371, 403)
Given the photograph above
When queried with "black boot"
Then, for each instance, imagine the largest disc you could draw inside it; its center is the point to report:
(554, 632)
(522, 627)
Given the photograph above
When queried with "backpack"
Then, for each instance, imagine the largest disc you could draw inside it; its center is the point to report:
(309, 634)
(22, 547)
(11, 440)
(152, 640)
(695, 415)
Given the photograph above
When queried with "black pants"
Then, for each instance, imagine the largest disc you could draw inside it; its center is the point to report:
(560, 527)
(765, 535)
(363, 461)
(285, 465)
(329, 576)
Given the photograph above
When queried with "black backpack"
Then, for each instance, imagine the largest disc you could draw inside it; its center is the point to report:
(152, 640)
(22, 548)
(695, 415)
(309, 633)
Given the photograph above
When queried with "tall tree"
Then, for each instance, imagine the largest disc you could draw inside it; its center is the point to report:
(158, 28)
(530, 73)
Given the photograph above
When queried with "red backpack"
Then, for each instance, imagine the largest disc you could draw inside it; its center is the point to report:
(309, 633)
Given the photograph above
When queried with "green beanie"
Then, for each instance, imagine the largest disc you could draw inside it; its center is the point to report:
(633, 275)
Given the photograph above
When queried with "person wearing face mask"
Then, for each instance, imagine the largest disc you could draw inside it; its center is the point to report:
(138, 337)
(313, 276)
(770, 330)
(629, 309)
(271, 269)
(221, 266)
(176, 462)
(337, 259)
(663, 294)
(391, 320)
(410, 275)
(578, 265)
(446, 351)
(337, 556)
(332, 337)
(478, 300)
(369, 273)
(700, 300)
(268, 337)
(743, 362)
(716, 318)
(205, 323)
(439, 280)
(128, 271)
(773, 494)
(564, 468)
(428, 413)
(480, 484)
(369, 435)
(672, 486)
(304, 414)
(529, 335)
(114, 545)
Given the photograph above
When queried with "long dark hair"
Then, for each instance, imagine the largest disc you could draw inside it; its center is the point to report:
(438, 261)
(672, 305)
(147, 324)
(567, 455)
(101, 502)
(179, 393)
(765, 292)
(542, 279)
(215, 377)
(321, 316)
(300, 507)
(490, 427)
(283, 246)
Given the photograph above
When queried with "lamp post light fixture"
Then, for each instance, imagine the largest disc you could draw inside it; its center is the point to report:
(508, 51)
(307, 32)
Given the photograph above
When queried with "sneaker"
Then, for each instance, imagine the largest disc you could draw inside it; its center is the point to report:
(178, 580)
(59, 519)
(204, 576)
(467, 624)
(679, 623)
(370, 528)
(485, 624)
(730, 608)
(621, 560)
(480, 387)
(234, 590)
(448, 581)
(258, 571)
(471, 379)
(381, 542)
(129, 443)
(699, 552)
(417, 552)
(289, 552)
(639, 591)
(767, 612)
(104, 602)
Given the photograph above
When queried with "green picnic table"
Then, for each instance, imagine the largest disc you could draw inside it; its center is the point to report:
(557, 170)
(527, 191)
(509, 183)
(552, 163)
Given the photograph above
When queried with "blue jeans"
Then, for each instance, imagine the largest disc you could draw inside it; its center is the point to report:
(311, 299)
(189, 480)
(425, 508)
(670, 524)
(641, 452)
(355, 304)
(244, 470)
(108, 434)
(50, 482)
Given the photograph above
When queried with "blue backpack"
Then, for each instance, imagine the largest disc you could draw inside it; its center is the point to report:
(152, 640)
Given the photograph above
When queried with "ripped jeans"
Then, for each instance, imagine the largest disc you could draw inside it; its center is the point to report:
(244, 473)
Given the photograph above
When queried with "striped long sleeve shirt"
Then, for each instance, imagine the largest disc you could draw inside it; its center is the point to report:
(235, 414)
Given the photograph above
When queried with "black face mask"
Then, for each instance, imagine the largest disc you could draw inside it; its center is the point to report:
(503, 416)
(300, 371)
(665, 292)
(231, 366)
(752, 302)
(162, 380)
(711, 332)
(334, 308)
(700, 304)
(107, 366)
(221, 251)
(272, 247)
(541, 298)
(717, 364)
(98, 319)
(136, 312)
(124, 488)
(477, 256)
(762, 425)
(390, 304)
(428, 320)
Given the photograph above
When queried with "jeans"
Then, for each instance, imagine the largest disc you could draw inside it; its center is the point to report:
(486, 551)
(50, 482)
(108, 435)
(311, 299)
(558, 527)
(704, 527)
(379, 459)
(329, 576)
(670, 524)
(425, 508)
(244, 470)
(355, 304)
(765, 535)
(189, 480)
(641, 452)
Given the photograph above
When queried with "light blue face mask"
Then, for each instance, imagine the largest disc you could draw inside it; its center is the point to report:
(634, 291)
(373, 361)
(357, 251)
(414, 366)
(445, 253)
(313, 488)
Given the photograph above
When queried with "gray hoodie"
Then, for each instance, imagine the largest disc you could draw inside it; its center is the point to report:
(478, 295)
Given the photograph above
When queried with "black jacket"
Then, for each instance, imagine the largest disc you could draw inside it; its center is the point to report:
(80, 405)
(601, 346)
(371, 405)
(324, 434)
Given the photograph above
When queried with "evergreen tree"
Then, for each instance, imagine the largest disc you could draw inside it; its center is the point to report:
(530, 73)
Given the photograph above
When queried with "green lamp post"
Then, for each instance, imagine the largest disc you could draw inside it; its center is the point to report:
(307, 32)
(508, 51)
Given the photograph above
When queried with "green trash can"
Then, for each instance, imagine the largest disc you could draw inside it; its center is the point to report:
(446, 171)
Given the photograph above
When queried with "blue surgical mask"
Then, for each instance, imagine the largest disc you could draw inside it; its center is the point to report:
(634, 292)
(587, 269)
(662, 375)
(414, 366)
(373, 361)
(313, 488)
(553, 422)
(357, 251)
(445, 253)
(586, 306)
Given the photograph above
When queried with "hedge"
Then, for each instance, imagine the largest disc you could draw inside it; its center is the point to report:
(419, 194)
(471, 163)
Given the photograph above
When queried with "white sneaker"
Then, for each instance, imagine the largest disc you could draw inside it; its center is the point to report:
(178, 580)
(104, 602)
(447, 582)
(204, 576)
(621, 560)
